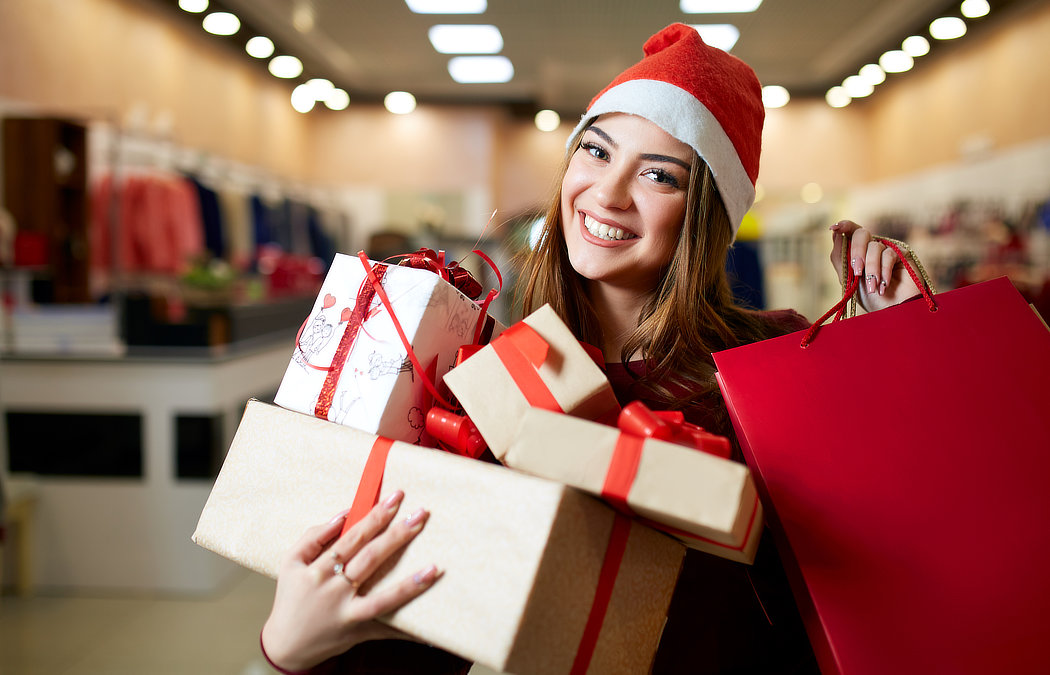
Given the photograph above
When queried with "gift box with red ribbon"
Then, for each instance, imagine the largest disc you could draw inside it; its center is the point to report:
(538, 577)
(377, 338)
(668, 473)
(537, 362)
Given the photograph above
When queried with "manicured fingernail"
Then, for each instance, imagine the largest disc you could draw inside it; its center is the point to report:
(416, 519)
(339, 516)
(857, 269)
(871, 284)
(882, 287)
(426, 576)
(394, 499)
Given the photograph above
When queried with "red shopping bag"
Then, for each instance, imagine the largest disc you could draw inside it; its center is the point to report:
(903, 458)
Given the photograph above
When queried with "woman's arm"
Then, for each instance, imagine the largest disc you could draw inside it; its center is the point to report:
(317, 610)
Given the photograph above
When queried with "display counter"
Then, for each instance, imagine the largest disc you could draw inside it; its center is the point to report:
(123, 452)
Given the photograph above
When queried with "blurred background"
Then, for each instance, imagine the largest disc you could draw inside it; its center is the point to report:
(176, 176)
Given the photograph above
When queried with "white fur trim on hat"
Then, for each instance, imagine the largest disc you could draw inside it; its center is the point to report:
(681, 115)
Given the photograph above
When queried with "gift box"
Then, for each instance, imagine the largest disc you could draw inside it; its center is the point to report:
(535, 363)
(707, 501)
(351, 367)
(522, 556)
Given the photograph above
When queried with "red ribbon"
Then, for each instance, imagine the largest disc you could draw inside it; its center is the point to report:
(346, 342)
(669, 425)
(614, 551)
(522, 351)
(370, 484)
(455, 432)
(453, 273)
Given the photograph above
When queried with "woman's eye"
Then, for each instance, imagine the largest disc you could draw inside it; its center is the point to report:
(662, 177)
(595, 150)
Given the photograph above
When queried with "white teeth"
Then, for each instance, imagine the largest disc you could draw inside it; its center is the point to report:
(604, 231)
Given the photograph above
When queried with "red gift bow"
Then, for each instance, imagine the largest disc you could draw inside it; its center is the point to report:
(453, 273)
(637, 423)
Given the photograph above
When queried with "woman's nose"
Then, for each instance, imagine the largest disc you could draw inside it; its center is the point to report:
(612, 189)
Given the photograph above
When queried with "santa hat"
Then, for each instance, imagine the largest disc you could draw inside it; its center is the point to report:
(702, 96)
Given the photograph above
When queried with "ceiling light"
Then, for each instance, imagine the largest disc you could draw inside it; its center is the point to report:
(447, 6)
(286, 67)
(873, 74)
(857, 87)
(720, 35)
(480, 69)
(320, 87)
(718, 6)
(974, 9)
(337, 99)
(303, 99)
(916, 45)
(459, 39)
(193, 6)
(775, 96)
(260, 47)
(221, 23)
(896, 61)
(547, 120)
(400, 102)
(838, 97)
(948, 28)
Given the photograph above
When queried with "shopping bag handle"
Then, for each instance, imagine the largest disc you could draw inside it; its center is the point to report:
(852, 283)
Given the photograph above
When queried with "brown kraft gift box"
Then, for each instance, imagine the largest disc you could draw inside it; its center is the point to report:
(521, 555)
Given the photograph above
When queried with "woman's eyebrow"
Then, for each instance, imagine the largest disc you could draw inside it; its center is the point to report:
(648, 156)
(666, 158)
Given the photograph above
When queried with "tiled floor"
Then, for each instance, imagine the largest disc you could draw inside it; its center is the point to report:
(125, 635)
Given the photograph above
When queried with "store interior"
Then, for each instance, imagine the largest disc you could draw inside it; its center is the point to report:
(169, 207)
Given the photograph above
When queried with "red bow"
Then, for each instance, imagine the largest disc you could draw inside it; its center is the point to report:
(638, 419)
(428, 259)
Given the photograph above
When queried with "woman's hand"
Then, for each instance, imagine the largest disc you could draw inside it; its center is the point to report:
(884, 281)
(318, 611)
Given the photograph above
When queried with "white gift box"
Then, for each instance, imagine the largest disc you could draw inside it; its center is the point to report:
(378, 390)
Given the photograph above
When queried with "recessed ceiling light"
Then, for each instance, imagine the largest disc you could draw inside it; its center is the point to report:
(320, 87)
(948, 28)
(547, 120)
(857, 87)
(303, 99)
(873, 74)
(775, 96)
(718, 6)
(400, 102)
(896, 61)
(260, 47)
(460, 39)
(221, 23)
(916, 45)
(193, 6)
(974, 9)
(480, 69)
(286, 67)
(447, 6)
(337, 99)
(721, 35)
(838, 97)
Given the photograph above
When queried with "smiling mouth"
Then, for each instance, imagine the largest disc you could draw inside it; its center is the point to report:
(606, 232)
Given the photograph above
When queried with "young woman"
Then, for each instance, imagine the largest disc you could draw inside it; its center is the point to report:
(659, 174)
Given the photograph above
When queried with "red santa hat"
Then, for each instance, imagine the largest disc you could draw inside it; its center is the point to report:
(702, 96)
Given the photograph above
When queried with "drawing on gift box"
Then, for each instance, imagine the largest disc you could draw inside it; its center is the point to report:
(316, 336)
(346, 399)
(416, 421)
(380, 367)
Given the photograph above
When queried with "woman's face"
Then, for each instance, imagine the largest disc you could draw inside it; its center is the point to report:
(623, 201)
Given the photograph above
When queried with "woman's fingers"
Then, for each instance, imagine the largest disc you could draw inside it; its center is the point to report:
(390, 598)
(314, 541)
(364, 563)
(346, 546)
(873, 276)
(889, 261)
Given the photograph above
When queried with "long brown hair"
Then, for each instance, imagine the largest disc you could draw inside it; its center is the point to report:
(691, 312)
